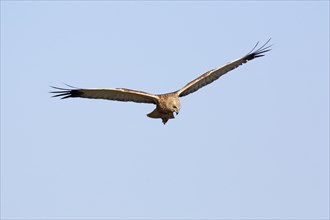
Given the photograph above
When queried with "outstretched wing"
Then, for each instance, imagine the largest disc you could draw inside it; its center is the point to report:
(214, 74)
(125, 95)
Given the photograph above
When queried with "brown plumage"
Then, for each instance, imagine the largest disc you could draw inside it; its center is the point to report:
(166, 104)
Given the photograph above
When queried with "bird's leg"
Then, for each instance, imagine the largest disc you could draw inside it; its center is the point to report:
(164, 119)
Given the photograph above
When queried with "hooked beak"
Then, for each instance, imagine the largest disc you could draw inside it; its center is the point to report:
(176, 110)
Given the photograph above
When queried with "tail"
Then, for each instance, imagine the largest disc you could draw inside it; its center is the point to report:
(154, 114)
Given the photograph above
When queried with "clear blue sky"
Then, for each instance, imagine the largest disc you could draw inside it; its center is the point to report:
(254, 144)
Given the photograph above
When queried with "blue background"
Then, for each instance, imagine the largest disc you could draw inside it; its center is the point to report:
(254, 144)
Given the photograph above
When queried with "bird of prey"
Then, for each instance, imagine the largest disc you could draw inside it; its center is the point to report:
(168, 103)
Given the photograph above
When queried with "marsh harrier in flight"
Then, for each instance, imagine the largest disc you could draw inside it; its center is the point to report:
(166, 104)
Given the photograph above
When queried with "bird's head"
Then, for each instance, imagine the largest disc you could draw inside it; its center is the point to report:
(174, 105)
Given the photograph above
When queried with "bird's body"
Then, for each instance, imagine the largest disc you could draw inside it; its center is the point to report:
(166, 104)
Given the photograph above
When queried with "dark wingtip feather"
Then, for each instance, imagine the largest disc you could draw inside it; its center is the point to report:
(260, 52)
(66, 93)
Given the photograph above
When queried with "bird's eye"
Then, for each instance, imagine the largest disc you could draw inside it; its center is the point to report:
(174, 106)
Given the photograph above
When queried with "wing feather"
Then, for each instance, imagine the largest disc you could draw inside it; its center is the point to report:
(120, 94)
(214, 74)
